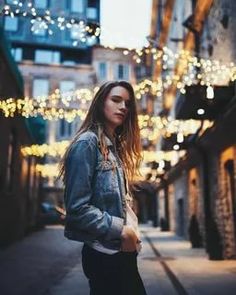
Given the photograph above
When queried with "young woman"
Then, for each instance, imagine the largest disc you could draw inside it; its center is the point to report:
(104, 154)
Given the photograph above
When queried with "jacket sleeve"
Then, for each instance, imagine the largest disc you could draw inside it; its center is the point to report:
(81, 215)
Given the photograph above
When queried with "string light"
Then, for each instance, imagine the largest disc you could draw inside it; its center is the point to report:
(211, 72)
(52, 170)
(57, 149)
(158, 156)
(210, 92)
(200, 111)
(58, 105)
(154, 127)
(48, 170)
(44, 20)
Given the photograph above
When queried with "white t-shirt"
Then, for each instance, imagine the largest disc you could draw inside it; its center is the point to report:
(132, 221)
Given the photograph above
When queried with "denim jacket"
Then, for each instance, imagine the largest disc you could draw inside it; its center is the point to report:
(94, 193)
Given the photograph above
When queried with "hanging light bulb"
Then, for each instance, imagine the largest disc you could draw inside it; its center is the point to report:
(210, 92)
(201, 111)
(176, 147)
(162, 164)
(180, 137)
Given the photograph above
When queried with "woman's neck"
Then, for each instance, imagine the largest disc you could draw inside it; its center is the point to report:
(110, 133)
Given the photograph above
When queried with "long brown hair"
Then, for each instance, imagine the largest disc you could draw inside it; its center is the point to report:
(127, 135)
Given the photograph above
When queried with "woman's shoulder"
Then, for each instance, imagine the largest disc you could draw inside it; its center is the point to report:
(88, 135)
(84, 141)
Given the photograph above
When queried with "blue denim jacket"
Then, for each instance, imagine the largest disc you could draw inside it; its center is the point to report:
(94, 193)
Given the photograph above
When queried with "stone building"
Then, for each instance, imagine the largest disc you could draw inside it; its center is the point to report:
(200, 189)
(112, 64)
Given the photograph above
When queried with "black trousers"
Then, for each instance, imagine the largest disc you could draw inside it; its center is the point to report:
(115, 274)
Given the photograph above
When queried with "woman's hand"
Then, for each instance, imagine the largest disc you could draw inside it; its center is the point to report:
(128, 239)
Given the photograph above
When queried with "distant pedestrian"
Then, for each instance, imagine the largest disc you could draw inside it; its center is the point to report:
(104, 154)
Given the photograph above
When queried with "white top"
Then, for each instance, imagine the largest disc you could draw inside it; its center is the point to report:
(132, 221)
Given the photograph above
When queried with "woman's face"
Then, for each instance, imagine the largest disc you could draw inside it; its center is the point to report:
(116, 107)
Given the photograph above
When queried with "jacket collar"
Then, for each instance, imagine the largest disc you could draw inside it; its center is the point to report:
(108, 141)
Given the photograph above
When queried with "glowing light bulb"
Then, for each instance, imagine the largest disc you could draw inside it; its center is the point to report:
(176, 147)
(200, 111)
(210, 92)
(180, 137)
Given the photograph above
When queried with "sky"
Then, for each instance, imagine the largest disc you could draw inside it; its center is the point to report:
(125, 23)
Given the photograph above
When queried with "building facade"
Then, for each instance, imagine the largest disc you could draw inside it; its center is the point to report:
(52, 45)
(198, 194)
(112, 64)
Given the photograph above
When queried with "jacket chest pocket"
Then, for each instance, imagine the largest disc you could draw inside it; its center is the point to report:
(106, 176)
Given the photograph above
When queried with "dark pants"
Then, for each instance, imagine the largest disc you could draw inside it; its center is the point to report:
(115, 274)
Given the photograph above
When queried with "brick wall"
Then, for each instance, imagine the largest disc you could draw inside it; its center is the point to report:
(224, 211)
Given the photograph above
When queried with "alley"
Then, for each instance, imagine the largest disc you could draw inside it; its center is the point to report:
(157, 112)
(48, 264)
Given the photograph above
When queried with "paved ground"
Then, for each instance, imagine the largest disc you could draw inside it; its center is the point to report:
(34, 264)
(191, 269)
(45, 263)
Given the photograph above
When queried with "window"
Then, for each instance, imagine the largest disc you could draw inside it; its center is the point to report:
(62, 127)
(47, 56)
(91, 40)
(39, 28)
(40, 87)
(77, 6)
(102, 70)
(122, 72)
(41, 4)
(69, 62)
(91, 13)
(11, 24)
(67, 86)
(76, 32)
(17, 53)
(66, 127)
